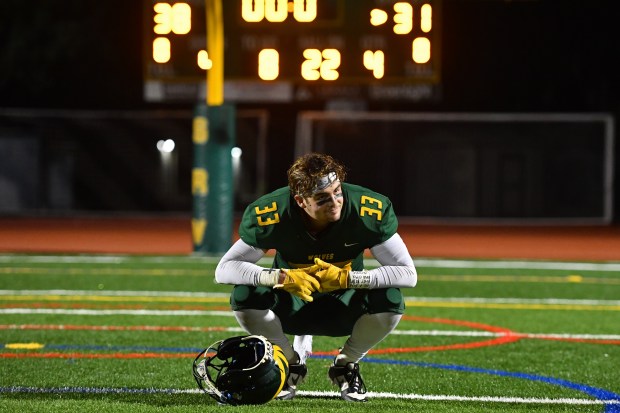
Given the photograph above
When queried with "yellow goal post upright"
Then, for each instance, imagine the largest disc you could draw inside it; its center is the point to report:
(213, 137)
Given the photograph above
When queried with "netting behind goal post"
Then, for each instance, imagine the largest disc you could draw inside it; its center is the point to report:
(474, 167)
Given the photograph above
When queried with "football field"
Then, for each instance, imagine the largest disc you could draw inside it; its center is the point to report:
(118, 333)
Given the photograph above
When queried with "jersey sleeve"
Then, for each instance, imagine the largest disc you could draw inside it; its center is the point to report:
(389, 226)
(247, 228)
(259, 223)
(375, 214)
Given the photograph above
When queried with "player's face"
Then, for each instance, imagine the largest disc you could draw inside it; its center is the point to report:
(325, 206)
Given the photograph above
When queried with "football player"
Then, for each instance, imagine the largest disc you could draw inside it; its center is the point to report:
(319, 227)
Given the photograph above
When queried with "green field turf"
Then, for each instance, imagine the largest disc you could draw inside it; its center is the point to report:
(119, 334)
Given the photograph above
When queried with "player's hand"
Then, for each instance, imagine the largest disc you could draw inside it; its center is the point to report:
(300, 282)
(332, 277)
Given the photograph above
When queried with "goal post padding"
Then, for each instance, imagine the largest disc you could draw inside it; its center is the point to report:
(212, 178)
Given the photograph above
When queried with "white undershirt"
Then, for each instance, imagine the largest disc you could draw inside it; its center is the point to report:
(238, 265)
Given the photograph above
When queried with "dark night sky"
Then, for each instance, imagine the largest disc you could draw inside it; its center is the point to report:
(70, 53)
(519, 55)
(497, 56)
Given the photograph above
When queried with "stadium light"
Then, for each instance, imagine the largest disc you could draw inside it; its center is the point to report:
(236, 152)
(165, 146)
(169, 166)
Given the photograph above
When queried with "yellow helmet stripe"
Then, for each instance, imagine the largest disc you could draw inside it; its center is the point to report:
(280, 359)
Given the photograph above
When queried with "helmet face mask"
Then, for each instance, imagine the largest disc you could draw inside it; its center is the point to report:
(241, 370)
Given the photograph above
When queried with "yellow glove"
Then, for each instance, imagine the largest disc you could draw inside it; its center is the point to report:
(300, 282)
(332, 277)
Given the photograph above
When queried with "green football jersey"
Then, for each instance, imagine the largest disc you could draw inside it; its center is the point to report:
(274, 221)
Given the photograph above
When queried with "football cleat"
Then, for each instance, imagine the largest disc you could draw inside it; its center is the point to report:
(296, 374)
(350, 382)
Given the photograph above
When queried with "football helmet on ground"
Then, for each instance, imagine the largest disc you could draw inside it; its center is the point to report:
(241, 370)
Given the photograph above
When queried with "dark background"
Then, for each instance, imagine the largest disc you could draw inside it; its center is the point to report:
(497, 56)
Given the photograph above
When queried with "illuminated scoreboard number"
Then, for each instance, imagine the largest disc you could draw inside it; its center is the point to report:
(277, 11)
(261, 21)
(302, 42)
(174, 20)
(169, 19)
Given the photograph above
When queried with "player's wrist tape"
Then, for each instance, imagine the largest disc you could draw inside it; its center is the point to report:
(269, 277)
(359, 279)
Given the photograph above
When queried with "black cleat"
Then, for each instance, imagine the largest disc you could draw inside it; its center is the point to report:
(349, 379)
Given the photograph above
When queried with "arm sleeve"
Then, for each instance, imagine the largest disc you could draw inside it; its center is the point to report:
(397, 268)
(238, 265)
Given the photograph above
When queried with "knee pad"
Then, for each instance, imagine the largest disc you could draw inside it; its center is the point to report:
(384, 300)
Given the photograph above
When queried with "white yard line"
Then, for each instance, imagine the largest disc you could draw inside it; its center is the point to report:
(448, 397)
(40, 311)
(420, 262)
(224, 297)
(331, 394)
(116, 293)
(413, 332)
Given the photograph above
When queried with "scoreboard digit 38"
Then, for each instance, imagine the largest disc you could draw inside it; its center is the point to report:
(296, 50)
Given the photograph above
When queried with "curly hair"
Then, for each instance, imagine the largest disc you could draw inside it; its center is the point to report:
(307, 170)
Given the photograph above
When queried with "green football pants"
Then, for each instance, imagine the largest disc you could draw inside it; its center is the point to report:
(330, 314)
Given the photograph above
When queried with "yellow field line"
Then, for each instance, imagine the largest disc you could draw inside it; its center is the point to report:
(110, 298)
(411, 302)
(104, 271)
(564, 279)
(514, 306)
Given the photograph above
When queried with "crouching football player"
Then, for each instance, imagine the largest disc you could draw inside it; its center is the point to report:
(319, 227)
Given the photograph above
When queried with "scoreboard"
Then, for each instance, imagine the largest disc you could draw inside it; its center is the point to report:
(296, 50)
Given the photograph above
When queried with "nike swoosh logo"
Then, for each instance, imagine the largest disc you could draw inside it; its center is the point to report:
(350, 245)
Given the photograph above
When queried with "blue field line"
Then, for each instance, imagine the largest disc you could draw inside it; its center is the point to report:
(599, 394)
(65, 347)
(610, 399)
(91, 390)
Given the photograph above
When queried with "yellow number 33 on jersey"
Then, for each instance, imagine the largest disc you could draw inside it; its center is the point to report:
(364, 210)
(267, 220)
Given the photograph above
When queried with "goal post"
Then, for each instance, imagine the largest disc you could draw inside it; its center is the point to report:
(538, 168)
